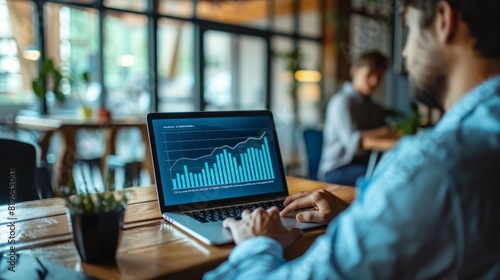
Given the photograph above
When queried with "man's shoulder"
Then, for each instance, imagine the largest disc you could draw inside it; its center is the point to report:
(343, 96)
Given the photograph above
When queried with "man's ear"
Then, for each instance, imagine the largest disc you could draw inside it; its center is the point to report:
(445, 22)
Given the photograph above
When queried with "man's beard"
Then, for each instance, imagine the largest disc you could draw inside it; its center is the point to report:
(428, 74)
(430, 99)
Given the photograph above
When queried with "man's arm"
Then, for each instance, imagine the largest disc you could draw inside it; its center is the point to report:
(402, 229)
(339, 122)
(325, 204)
(376, 132)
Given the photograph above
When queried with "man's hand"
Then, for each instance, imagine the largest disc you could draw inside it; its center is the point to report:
(326, 206)
(261, 223)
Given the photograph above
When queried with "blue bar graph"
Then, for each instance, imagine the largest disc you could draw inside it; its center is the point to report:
(227, 166)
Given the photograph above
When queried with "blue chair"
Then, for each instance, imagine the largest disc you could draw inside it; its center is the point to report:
(313, 140)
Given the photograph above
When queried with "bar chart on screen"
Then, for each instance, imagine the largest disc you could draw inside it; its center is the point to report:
(247, 161)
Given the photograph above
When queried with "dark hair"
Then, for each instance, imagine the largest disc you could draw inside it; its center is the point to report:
(481, 17)
(375, 60)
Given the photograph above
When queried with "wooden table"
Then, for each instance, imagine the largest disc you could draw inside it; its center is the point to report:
(67, 127)
(380, 143)
(377, 146)
(150, 247)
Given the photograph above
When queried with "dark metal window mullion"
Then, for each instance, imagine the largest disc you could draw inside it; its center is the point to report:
(235, 70)
(40, 24)
(268, 69)
(322, 11)
(153, 54)
(199, 60)
(269, 53)
(199, 66)
(296, 23)
(102, 15)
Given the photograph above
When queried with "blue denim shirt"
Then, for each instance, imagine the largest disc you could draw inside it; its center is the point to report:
(431, 210)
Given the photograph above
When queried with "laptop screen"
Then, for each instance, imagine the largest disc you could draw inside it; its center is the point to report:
(216, 157)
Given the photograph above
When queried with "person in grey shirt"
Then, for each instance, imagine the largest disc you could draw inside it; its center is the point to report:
(351, 114)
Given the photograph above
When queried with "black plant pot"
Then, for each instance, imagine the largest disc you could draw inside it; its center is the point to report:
(96, 236)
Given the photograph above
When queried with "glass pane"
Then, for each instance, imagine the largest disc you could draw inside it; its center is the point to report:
(234, 71)
(310, 55)
(18, 52)
(135, 5)
(283, 15)
(310, 18)
(73, 44)
(249, 13)
(175, 66)
(369, 34)
(126, 64)
(180, 8)
(281, 100)
(252, 70)
(309, 93)
(218, 80)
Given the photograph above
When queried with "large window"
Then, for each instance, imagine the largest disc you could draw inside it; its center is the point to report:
(174, 55)
(159, 55)
(175, 66)
(234, 71)
(18, 52)
(126, 73)
(72, 43)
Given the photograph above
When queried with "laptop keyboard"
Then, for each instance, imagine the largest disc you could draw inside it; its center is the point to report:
(219, 214)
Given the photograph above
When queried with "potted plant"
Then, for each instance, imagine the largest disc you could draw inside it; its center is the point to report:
(49, 79)
(293, 65)
(406, 123)
(96, 221)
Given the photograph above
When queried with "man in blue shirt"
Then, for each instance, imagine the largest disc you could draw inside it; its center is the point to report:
(431, 209)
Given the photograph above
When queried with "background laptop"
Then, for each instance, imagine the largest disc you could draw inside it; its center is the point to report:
(213, 165)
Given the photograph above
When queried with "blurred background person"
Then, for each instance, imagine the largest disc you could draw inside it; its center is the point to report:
(351, 114)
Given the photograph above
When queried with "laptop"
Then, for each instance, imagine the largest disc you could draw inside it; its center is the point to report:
(212, 165)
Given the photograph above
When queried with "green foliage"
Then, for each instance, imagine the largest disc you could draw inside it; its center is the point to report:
(293, 65)
(40, 85)
(407, 123)
(87, 202)
(86, 77)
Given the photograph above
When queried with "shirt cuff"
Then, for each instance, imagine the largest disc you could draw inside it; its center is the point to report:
(255, 246)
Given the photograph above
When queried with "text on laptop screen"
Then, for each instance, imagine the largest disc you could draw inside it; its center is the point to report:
(216, 158)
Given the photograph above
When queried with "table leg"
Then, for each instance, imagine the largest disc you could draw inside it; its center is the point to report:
(372, 162)
(109, 140)
(65, 158)
(44, 142)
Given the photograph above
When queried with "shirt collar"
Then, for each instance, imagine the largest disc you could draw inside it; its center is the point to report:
(470, 101)
(349, 89)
